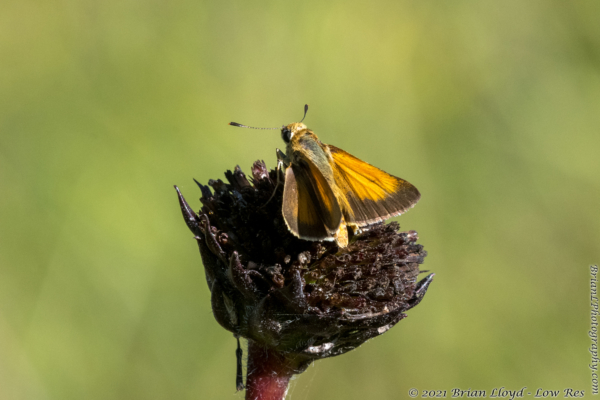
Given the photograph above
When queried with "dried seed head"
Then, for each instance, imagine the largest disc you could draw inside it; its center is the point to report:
(302, 300)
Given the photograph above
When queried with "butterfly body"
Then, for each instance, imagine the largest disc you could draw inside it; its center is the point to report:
(326, 189)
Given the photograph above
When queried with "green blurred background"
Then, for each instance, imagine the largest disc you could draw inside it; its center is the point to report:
(492, 109)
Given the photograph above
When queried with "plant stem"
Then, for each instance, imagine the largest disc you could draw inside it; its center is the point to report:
(269, 374)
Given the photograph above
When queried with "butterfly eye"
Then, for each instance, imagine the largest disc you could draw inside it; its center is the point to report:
(286, 135)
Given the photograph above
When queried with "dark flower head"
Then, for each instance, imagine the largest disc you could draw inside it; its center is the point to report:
(298, 299)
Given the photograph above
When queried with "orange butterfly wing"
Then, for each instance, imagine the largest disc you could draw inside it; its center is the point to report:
(310, 208)
(372, 194)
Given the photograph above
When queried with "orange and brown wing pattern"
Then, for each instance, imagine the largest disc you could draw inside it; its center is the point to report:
(310, 208)
(373, 195)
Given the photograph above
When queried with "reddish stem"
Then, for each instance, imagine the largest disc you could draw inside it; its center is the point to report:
(269, 374)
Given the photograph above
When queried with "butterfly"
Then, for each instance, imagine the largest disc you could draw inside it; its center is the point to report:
(326, 190)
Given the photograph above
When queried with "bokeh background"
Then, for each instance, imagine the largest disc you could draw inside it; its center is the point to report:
(492, 109)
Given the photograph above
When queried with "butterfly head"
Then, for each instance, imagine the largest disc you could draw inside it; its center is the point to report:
(288, 132)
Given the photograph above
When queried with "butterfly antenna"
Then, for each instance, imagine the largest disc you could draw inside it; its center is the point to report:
(305, 110)
(246, 126)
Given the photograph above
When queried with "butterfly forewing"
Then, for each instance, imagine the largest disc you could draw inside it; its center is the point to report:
(373, 195)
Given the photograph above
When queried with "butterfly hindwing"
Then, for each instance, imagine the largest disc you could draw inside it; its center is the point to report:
(310, 208)
(290, 201)
(373, 195)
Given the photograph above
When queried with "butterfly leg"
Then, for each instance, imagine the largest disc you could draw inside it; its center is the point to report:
(356, 230)
(341, 236)
(282, 161)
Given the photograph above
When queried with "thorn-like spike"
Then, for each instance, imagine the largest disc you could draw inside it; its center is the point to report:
(206, 193)
(189, 216)
(420, 291)
(423, 285)
(211, 240)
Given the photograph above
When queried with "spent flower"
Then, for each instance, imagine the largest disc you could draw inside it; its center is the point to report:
(296, 301)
